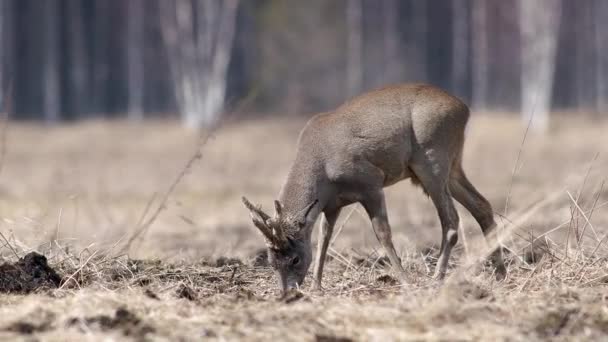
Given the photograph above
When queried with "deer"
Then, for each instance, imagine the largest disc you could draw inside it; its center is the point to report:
(349, 155)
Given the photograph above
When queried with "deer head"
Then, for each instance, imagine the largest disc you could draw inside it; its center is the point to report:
(288, 241)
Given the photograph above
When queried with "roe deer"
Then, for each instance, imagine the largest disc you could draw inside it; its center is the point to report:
(349, 155)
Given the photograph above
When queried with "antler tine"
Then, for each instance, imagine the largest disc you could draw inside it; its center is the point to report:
(255, 209)
(275, 237)
(278, 208)
(265, 230)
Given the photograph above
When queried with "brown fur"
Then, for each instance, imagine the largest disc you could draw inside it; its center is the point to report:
(372, 141)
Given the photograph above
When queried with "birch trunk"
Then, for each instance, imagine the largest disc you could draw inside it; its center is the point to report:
(460, 46)
(601, 59)
(51, 84)
(78, 58)
(393, 61)
(135, 59)
(539, 23)
(199, 55)
(480, 55)
(417, 59)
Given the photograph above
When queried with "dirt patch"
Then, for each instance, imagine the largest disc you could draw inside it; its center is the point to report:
(34, 322)
(124, 321)
(387, 280)
(29, 274)
(292, 296)
(552, 322)
(186, 292)
(27, 328)
(327, 338)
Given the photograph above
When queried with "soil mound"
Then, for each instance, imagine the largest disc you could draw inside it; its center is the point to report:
(29, 274)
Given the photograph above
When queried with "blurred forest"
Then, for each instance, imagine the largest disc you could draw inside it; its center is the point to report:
(73, 59)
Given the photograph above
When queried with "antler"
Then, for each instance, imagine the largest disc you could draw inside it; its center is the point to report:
(255, 209)
(278, 208)
(274, 236)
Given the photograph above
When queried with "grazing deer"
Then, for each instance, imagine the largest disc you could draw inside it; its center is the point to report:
(349, 155)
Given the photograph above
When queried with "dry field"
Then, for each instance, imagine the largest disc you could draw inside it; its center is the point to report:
(79, 193)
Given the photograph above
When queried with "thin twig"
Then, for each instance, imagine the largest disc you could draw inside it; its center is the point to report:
(350, 213)
(584, 216)
(71, 277)
(591, 256)
(561, 225)
(580, 190)
(141, 229)
(538, 266)
(9, 245)
(519, 153)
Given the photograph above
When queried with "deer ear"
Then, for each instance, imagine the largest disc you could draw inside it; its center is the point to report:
(306, 212)
(278, 208)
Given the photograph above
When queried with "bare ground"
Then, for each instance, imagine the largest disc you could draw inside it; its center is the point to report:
(78, 193)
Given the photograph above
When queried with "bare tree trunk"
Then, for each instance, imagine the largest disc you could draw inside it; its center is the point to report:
(135, 59)
(583, 55)
(78, 72)
(601, 48)
(393, 60)
(417, 45)
(539, 22)
(100, 72)
(460, 46)
(480, 55)
(354, 49)
(52, 93)
(199, 55)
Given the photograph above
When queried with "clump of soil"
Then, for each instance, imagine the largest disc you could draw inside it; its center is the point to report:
(124, 320)
(29, 274)
(387, 279)
(185, 291)
(260, 258)
(150, 294)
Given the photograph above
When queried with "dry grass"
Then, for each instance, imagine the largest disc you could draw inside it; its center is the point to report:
(77, 193)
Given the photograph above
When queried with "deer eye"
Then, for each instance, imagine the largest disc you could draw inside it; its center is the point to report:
(295, 261)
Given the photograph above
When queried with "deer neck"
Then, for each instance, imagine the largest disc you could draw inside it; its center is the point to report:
(302, 187)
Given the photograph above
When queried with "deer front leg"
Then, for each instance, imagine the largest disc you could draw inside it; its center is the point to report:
(375, 207)
(325, 232)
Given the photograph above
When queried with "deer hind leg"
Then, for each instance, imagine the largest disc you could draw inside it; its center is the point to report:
(466, 194)
(325, 232)
(375, 206)
(433, 176)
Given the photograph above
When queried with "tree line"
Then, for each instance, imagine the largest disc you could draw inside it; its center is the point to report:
(73, 59)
